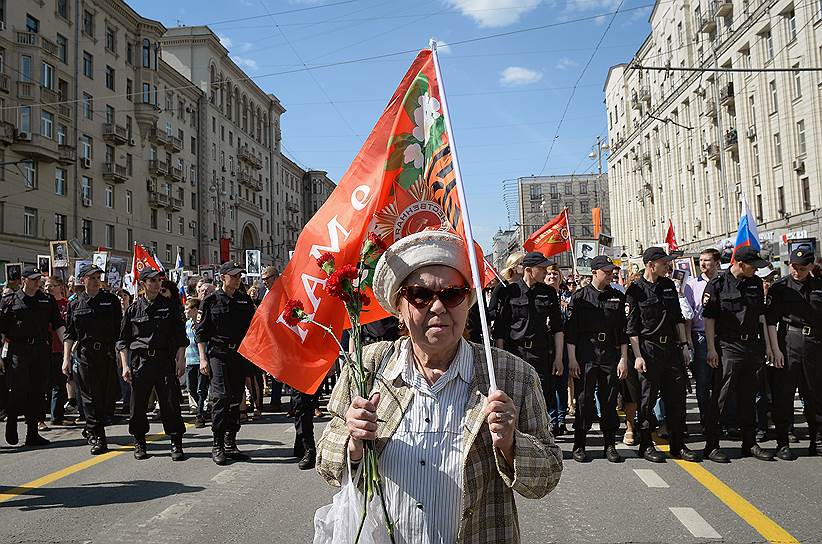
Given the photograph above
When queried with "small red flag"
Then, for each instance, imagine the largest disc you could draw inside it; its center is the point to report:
(670, 238)
(142, 258)
(553, 238)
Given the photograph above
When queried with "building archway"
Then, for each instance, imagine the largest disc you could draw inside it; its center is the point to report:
(251, 238)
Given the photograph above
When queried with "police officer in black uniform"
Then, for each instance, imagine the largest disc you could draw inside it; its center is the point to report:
(222, 322)
(153, 338)
(597, 355)
(93, 322)
(25, 316)
(531, 319)
(794, 317)
(733, 306)
(656, 329)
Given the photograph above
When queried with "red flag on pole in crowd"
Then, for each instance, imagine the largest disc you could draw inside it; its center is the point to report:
(490, 273)
(670, 237)
(403, 180)
(553, 238)
(142, 258)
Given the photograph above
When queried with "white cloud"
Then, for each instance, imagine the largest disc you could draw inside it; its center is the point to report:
(246, 62)
(225, 41)
(517, 75)
(245, 47)
(490, 13)
(565, 63)
(581, 6)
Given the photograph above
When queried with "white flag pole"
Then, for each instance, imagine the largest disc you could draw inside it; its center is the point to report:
(571, 242)
(466, 223)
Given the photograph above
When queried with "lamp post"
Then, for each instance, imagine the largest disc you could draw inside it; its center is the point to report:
(601, 147)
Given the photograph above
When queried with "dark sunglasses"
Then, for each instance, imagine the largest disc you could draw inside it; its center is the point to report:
(421, 297)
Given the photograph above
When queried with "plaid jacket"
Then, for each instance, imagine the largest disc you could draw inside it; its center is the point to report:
(489, 511)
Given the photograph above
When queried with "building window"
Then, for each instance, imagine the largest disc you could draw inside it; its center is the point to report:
(61, 134)
(129, 53)
(86, 232)
(583, 188)
(109, 195)
(797, 82)
(47, 76)
(88, 23)
(181, 226)
(25, 120)
(777, 148)
(153, 218)
(88, 106)
(146, 93)
(146, 53)
(110, 236)
(29, 222)
(62, 49)
(110, 77)
(768, 37)
(88, 64)
(168, 253)
(86, 188)
(168, 222)
(569, 188)
(758, 209)
(774, 96)
(32, 24)
(59, 226)
(800, 137)
(60, 181)
(129, 202)
(86, 147)
(62, 8)
(47, 124)
(111, 39)
(790, 23)
(780, 201)
(29, 169)
(130, 238)
(584, 206)
(755, 155)
(806, 194)
(129, 90)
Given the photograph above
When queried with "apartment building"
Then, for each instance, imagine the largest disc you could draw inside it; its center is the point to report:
(741, 119)
(89, 149)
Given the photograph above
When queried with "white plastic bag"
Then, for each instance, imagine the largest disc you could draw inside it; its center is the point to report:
(338, 522)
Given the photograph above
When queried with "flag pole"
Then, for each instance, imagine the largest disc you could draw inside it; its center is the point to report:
(469, 237)
(571, 240)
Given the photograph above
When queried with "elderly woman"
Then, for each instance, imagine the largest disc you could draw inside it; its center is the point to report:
(451, 457)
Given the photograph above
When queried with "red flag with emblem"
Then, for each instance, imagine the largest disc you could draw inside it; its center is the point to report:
(142, 258)
(402, 181)
(553, 238)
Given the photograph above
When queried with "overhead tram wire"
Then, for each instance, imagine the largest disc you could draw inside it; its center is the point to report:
(574, 90)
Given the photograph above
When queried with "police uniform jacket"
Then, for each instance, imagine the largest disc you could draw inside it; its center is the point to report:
(223, 319)
(797, 304)
(653, 308)
(26, 319)
(736, 304)
(596, 323)
(156, 325)
(529, 314)
(94, 319)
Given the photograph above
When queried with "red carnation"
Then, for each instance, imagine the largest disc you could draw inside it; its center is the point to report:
(349, 272)
(293, 312)
(326, 262)
(365, 300)
(340, 283)
(375, 239)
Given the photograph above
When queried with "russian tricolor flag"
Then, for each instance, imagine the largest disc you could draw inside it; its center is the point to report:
(747, 234)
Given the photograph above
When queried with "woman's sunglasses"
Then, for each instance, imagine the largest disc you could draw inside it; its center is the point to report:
(421, 297)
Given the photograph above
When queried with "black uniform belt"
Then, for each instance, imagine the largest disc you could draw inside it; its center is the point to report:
(599, 336)
(659, 338)
(743, 336)
(151, 352)
(30, 341)
(805, 330)
(96, 346)
(229, 345)
(529, 343)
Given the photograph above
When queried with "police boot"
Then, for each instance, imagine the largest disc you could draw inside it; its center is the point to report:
(647, 448)
(33, 438)
(177, 447)
(11, 431)
(579, 447)
(611, 452)
(309, 460)
(714, 453)
(681, 451)
(100, 444)
(757, 452)
(299, 447)
(140, 452)
(218, 450)
(231, 450)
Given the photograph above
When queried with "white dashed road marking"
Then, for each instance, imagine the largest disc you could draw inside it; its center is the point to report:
(695, 523)
(651, 478)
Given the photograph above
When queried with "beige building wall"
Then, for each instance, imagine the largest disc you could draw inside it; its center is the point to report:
(687, 145)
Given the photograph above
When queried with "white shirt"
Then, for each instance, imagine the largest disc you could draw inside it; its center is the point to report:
(422, 464)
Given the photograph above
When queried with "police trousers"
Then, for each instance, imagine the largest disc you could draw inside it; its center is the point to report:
(304, 405)
(27, 371)
(735, 377)
(97, 382)
(155, 370)
(228, 372)
(803, 369)
(665, 376)
(539, 356)
(596, 378)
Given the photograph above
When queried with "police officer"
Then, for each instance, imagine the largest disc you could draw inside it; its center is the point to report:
(733, 307)
(93, 323)
(656, 329)
(222, 322)
(794, 317)
(25, 316)
(597, 355)
(153, 338)
(530, 319)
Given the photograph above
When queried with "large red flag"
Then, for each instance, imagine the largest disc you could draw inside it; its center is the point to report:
(554, 237)
(142, 258)
(670, 237)
(401, 182)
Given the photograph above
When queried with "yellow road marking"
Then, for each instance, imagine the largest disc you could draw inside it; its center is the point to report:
(73, 469)
(765, 526)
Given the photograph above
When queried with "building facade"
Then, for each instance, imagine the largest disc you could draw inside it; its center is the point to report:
(735, 122)
(540, 198)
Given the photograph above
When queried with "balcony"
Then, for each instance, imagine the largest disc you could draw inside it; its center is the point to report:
(64, 110)
(174, 204)
(175, 144)
(724, 8)
(634, 101)
(644, 94)
(731, 140)
(5, 83)
(146, 114)
(247, 179)
(248, 206)
(25, 90)
(290, 206)
(157, 199)
(176, 173)
(249, 157)
(726, 94)
(27, 38)
(712, 151)
(67, 154)
(115, 172)
(159, 136)
(710, 108)
(157, 167)
(115, 134)
(707, 22)
(48, 46)
(7, 131)
(646, 158)
(49, 97)
(36, 146)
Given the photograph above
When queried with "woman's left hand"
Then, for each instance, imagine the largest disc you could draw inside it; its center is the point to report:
(501, 415)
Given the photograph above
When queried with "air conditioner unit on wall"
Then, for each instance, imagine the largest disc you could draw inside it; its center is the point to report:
(86, 202)
(799, 165)
(751, 132)
(85, 162)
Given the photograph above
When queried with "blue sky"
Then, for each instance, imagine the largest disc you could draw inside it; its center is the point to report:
(506, 94)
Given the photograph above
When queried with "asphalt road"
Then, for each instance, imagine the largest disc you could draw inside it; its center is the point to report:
(72, 497)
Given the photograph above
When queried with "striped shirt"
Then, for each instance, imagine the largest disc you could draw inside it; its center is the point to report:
(422, 464)
(192, 353)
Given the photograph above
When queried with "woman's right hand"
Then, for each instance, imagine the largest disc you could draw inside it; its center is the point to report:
(361, 422)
